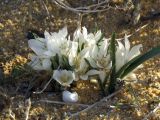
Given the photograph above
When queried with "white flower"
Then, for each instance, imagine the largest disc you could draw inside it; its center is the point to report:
(57, 42)
(77, 60)
(124, 53)
(38, 46)
(92, 39)
(38, 63)
(81, 66)
(64, 77)
(69, 97)
(88, 49)
(86, 40)
(99, 57)
(80, 37)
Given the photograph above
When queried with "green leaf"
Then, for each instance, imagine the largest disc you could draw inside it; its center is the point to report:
(135, 62)
(88, 63)
(124, 67)
(65, 63)
(101, 86)
(82, 47)
(112, 82)
(17, 71)
(35, 35)
(55, 62)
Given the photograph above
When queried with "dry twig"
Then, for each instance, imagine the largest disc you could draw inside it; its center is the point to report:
(8, 103)
(28, 106)
(63, 103)
(45, 7)
(39, 92)
(99, 7)
(152, 112)
(136, 31)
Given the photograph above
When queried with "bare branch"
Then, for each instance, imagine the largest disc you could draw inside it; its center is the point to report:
(63, 103)
(39, 92)
(99, 7)
(152, 112)
(28, 106)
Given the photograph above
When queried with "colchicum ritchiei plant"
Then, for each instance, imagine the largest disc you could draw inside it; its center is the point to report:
(86, 55)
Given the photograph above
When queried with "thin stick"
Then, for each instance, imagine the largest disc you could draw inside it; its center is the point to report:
(28, 106)
(136, 31)
(95, 104)
(39, 92)
(11, 114)
(45, 6)
(152, 112)
(9, 103)
(63, 103)
(89, 9)
(30, 12)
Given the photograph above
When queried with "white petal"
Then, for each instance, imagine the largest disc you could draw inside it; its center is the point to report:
(84, 31)
(46, 63)
(134, 51)
(93, 72)
(84, 77)
(91, 39)
(102, 75)
(35, 63)
(130, 76)
(74, 48)
(83, 65)
(84, 53)
(71, 59)
(92, 62)
(89, 73)
(53, 45)
(120, 55)
(127, 44)
(56, 74)
(120, 59)
(98, 35)
(94, 52)
(49, 53)
(76, 35)
(69, 97)
(104, 48)
(37, 46)
(64, 77)
(121, 46)
(47, 35)
(63, 32)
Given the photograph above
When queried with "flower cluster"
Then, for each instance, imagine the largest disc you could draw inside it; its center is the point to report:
(87, 54)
